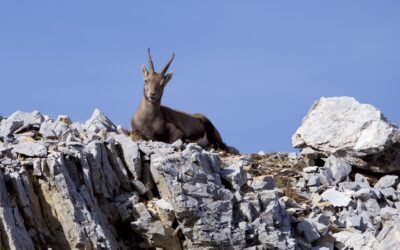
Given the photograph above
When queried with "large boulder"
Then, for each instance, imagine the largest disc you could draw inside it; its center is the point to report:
(358, 133)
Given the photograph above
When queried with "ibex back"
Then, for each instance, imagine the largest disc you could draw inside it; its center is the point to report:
(155, 122)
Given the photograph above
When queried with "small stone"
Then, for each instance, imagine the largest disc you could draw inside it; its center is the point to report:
(354, 221)
(321, 223)
(165, 211)
(364, 194)
(293, 155)
(99, 122)
(64, 119)
(389, 193)
(361, 179)
(37, 167)
(261, 153)
(338, 199)
(315, 198)
(311, 169)
(339, 168)
(387, 181)
(347, 185)
(177, 145)
(139, 187)
(301, 184)
(243, 225)
(313, 181)
(306, 228)
(46, 130)
(235, 175)
(263, 183)
(326, 177)
(194, 147)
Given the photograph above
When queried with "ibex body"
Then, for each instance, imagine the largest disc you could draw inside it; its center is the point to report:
(156, 122)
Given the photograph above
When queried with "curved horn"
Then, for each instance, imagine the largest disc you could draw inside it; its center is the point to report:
(150, 61)
(167, 66)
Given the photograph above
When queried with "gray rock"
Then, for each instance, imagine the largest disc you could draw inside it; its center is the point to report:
(387, 181)
(266, 182)
(321, 223)
(356, 241)
(361, 180)
(166, 212)
(30, 148)
(338, 199)
(389, 237)
(99, 122)
(13, 230)
(364, 194)
(131, 154)
(248, 211)
(7, 127)
(19, 120)
(343, 125)
(124, 203)
(235, 175)
(310, 169)
(310, 233)
(372, 207)
(322, 247)
(389, 193)
(177, 145)
(313, 180)
(139, 187)
(47, 130)
(339, 168)
(354, 186)
(153, 231)
(354, 221)
(326, 177)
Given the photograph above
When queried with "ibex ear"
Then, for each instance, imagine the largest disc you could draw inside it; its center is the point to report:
(145, 73)
(168, 77)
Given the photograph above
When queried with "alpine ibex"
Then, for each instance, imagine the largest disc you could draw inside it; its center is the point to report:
(155, 122)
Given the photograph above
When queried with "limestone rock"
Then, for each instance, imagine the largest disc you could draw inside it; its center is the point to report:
(339, 168)
(235, 175)
(338, 199)
(359, 133)
(30, 148)
(99, 122)
(387, 181)
(18, 120)
(308, 230)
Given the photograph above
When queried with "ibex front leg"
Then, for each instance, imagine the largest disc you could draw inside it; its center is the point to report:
(174, 133)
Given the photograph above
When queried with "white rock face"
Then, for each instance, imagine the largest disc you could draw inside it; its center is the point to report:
(338, 199)
(30, 149)
(342, 125)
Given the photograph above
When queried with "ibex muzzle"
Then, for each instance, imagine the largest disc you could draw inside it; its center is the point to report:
(155, 122)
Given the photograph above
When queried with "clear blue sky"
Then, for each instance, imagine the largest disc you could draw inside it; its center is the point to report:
(253, 67)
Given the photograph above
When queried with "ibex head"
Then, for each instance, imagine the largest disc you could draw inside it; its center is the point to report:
(154, 82)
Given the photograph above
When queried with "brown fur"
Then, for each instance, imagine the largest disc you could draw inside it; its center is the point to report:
(155, 122)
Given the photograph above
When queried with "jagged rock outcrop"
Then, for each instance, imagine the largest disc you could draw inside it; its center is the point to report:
(358, 133)
(88, 185)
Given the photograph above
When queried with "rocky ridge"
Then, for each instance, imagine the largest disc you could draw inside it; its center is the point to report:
(90, 186)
